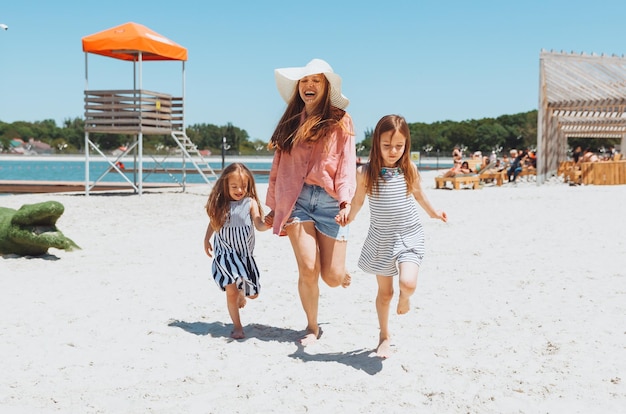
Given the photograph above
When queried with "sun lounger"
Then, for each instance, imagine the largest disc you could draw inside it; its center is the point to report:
(497, 176)
(472, 180)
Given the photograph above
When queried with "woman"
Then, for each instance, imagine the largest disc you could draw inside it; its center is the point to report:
(457, 157)
(313, 179)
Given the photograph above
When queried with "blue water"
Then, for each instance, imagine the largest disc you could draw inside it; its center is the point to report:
(74, 170)
(36, 169)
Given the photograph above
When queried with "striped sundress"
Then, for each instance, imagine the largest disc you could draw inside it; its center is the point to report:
(234, 248)
(395, 234)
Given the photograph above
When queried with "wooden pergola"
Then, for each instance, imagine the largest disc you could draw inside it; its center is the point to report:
(580, 95)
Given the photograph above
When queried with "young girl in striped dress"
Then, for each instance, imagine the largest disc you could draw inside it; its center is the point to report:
(395, 239)
(233, 209)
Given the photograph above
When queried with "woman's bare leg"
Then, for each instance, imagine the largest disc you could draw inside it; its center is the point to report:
(383, 301)
(408, 283)
(304, 243)
(234, 301)
(333, 261)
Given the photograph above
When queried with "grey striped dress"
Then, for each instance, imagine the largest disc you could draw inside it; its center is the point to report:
(395, 234)
(234, 248)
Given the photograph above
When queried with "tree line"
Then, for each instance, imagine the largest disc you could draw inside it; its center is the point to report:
(485, 135)
(69, 138)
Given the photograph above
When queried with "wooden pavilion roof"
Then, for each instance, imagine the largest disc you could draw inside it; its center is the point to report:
(586, 92)
(580, 95)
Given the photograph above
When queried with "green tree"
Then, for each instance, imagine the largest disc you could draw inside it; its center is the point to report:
(506, 131)
(46, 130)
(74, 133)
(490, 136)
(206, 136)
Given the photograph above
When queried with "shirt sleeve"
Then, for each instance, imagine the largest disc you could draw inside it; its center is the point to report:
(270, 199)
(345, 179)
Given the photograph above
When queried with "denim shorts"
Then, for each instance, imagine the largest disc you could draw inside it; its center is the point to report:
(314, 204)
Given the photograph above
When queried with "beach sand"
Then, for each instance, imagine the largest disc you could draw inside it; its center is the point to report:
(520, 308)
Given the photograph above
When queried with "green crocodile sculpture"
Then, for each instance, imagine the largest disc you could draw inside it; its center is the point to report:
(31, 230)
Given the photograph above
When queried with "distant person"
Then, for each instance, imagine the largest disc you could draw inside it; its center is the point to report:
(532, 160)
(486, 163)
(457, 155)
(457, 160)
(496, 167)
(234, 211)
(590, 156)
(455, 170)
(506, 162)
(611, 153)
(395, 239)
(462, 168)
(577, 154)
(517, 164)
(465, 168)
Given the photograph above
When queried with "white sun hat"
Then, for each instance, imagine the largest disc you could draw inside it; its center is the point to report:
(287, 80)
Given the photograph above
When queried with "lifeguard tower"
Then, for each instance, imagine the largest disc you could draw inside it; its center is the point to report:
(136, 111)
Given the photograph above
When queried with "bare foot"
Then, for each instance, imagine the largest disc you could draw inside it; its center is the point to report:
(311, 337)
(384, 348)
(346, 280)
(404, 304)
(242, 300)
(237, 333)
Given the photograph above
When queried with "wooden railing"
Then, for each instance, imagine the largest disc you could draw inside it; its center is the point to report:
(598, 173)
(133, 111)
(604, 172)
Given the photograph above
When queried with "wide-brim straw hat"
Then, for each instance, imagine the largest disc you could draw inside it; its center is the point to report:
(287, 81)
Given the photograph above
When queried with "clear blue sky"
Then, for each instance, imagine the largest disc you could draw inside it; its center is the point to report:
(428, 61)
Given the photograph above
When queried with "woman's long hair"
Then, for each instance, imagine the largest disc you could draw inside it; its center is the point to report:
(218, 204)
(398, 125)
(320, 123)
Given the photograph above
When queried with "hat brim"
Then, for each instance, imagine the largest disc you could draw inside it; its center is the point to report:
(287, 81)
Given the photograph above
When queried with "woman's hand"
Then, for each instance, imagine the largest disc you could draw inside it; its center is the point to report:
(269, 219)
(344, 213)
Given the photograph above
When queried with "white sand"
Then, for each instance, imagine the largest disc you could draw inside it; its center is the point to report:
(520, 308)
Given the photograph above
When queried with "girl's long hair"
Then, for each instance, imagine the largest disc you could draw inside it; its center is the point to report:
(398, 125)
(218, 204)
(319, 124)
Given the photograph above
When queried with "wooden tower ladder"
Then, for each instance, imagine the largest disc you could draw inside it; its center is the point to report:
(190, 152)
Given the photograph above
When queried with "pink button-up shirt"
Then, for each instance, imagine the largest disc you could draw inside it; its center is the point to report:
(329, 163)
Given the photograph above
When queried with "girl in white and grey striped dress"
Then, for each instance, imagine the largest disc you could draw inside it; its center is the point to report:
(395, 239)
(234, 211)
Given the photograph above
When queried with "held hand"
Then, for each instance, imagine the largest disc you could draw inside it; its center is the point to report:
(342, 217)
(269, 219)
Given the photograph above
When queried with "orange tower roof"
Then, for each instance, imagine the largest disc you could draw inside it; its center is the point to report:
(126, 41)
